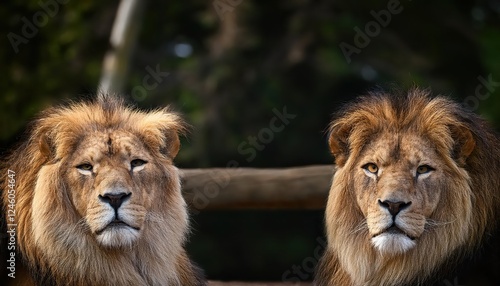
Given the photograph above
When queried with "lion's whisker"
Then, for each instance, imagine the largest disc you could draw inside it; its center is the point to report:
(360, 227)
(430, 223)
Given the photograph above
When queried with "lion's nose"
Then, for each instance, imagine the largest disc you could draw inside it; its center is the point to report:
(394, 207)
(115, 200)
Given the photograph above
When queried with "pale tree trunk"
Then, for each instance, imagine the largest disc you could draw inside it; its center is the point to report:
(123, 39)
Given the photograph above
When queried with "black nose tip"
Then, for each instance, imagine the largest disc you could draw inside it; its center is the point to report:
(394, 207)
(115, 200)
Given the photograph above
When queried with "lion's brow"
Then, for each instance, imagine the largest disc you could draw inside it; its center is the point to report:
(396, 150)
(110, 146)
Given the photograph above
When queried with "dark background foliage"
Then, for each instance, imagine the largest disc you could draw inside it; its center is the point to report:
(230, 63)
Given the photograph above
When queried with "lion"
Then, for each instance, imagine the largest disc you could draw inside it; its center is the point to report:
(97, 197)
(415, 198)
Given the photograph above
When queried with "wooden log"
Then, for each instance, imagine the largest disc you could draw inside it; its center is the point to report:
(249, 188)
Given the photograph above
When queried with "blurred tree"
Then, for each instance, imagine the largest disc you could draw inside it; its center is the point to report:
(61, 56)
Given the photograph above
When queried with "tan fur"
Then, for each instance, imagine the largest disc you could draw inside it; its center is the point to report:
(453, 208)
(60, 216)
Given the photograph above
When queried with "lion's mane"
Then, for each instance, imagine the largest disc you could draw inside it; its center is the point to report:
(465, 247)
(52, 238)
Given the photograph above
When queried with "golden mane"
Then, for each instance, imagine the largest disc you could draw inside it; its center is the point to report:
(468, 152)
(52, 237)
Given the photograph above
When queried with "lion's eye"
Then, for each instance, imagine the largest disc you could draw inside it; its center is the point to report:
(372, 168)
(424, 169)
(137, 163)
(85, 167)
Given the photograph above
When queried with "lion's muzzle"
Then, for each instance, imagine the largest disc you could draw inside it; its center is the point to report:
(115, 200)
(394, 207)
(393, 237)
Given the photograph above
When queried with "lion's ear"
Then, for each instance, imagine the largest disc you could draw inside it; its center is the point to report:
(43, 139)
(338, 142)
(160, 131)
(172, 144)
(45, 146)
(464, 143)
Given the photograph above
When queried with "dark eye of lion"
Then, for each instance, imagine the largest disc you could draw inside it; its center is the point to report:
(85, 167)
(424, 169)
(137, 163)
(370, 167)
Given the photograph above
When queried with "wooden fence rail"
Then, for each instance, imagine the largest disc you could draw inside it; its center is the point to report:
(250, 188)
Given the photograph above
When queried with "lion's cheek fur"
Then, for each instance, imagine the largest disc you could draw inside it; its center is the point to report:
(55, 226)
(48, 205)
(347, 234)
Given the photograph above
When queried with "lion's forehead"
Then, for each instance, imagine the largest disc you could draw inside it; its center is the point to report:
(124, 142)
(96, 145)
(391, 148)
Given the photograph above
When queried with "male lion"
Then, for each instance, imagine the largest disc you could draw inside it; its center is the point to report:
(96, 198)
(415, 199)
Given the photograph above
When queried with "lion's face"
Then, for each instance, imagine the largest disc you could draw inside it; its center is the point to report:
(109, 174)
(99, 199)
(397, 180)
(400, 185)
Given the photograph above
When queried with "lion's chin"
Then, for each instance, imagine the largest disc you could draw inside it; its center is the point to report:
(393, 243)
(116, 236)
